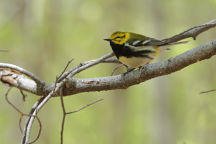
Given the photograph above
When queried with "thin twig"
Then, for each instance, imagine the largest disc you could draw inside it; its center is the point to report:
(94, 102)
(57, 78)
(62, 105)
(10, 103)
(71, 73)
(23, 95)
(192, 32)
(66, 113)
(68, 63)
(63, 118)
(23, 114)
(62, 128)
(84, 66)
(208, 91)
(116, 68)
(38, 105)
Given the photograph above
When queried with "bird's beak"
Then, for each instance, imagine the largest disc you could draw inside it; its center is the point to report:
(107, 40)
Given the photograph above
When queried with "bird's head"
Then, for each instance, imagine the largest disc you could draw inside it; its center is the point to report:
(118, 37)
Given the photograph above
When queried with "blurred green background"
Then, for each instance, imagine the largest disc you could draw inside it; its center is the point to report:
(42, 35)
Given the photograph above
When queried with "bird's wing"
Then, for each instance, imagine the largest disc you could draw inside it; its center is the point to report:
(138, 40)
(142, 43)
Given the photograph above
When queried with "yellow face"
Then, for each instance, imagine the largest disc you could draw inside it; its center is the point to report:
(119, 37)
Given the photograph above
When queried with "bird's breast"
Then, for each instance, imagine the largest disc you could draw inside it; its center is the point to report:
(134, 62)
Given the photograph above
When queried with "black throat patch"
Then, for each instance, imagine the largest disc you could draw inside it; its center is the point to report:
(126, 51)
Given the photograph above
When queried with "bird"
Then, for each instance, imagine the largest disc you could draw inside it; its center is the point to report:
(135, 50)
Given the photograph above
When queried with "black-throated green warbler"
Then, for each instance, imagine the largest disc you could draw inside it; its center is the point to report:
(135, 50)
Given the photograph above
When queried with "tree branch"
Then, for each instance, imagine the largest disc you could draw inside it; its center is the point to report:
(59, 84)
(147, 72)
(73, 86)
(192, 32)
(66, 85)
(15, 69)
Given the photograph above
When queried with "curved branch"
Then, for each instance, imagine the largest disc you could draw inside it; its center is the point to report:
(18, 80)
(16, 69)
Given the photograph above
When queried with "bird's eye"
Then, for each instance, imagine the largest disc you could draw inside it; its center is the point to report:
(119, 37)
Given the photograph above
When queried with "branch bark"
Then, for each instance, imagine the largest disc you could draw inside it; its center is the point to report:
(149, 71)
(12, 74)
(122, 81)
(67, 85)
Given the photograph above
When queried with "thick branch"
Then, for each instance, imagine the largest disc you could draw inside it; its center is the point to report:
(122, 81)
(147, 72)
